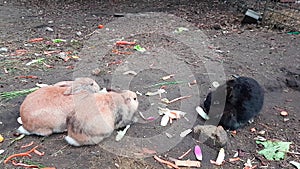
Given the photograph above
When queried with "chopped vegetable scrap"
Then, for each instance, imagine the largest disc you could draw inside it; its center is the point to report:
(100, 26)
(220, 158)
(284, 113)
(58, 40)
(201, 112)
(181, 29)
(296, 164)
(158, 92)
(186, 153)
(130, 72)
(36, 40)
(27, 145)
(28, 77)
(187, 163)
(148, 118)
(169, 115)
(118, 43)
(1, 138)
(168, 77)
(15, 94)
(274, 150)
(248, 165)
(185, 132)
(165, 100)
(24, 154)
(139, 48)
(166, 162)
(198, 152)
(122, 133)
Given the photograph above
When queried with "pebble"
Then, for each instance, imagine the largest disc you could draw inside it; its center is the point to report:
(3, 50)
(212, 135)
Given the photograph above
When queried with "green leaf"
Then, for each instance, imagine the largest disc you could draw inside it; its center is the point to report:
(274, 150)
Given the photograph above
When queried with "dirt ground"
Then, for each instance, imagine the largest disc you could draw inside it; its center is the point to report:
(269, 56)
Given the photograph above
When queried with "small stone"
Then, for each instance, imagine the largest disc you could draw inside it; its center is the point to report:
(213, 136)
(50, 21)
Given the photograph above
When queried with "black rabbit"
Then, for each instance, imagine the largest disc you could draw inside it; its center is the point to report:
(244, 100)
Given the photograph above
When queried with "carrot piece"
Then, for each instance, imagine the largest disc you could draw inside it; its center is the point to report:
(38, 152)
(16, 155)
(165, 162)
(27, 145)
(23, 165)
(20, 155)
(100, 26)
(36, 40)
(125, 43)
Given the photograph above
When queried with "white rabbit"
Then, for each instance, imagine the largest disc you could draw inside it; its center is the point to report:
(96, 117)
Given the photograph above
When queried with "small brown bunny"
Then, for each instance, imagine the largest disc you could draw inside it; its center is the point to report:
(98, 115)
(44, 111)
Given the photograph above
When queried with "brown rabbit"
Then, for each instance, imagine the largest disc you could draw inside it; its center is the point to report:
(98, 115)
(44, 111)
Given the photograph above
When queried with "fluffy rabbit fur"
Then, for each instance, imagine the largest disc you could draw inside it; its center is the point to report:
(244, 100)
(44, 111)
(97, 117)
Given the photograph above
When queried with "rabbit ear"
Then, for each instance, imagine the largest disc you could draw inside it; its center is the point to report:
(68, 91)
(73, 89)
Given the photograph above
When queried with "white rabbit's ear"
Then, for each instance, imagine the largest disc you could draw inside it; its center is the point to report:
(74, 89)
(69, 91)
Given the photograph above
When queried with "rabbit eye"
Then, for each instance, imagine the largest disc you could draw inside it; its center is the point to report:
(134, 98)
